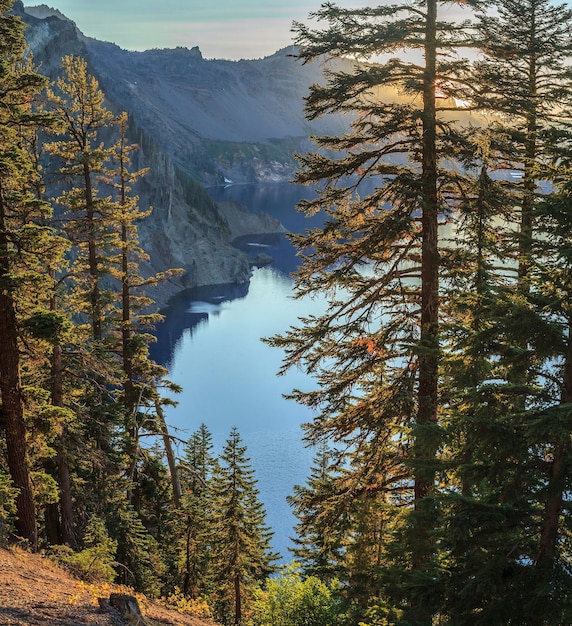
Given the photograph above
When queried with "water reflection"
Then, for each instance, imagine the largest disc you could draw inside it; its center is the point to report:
(185, 311)
(229, 379)
(211, 343)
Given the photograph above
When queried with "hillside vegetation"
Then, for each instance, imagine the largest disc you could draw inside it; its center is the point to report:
(34, 590)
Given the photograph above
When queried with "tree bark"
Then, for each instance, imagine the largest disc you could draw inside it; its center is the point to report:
(237, 601)
(66, 529)
(171, 460)
(95, 295)
(559, 468)
(425, 440)
(12, 400)
(128, 607)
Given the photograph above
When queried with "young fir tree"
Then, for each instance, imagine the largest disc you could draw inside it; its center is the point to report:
(375, 352)
(195, 551)
(23, 241)
(240, 539)
(319, 540)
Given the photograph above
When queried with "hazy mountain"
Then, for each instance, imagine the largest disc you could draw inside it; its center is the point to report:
(196, 121)
(239, 120)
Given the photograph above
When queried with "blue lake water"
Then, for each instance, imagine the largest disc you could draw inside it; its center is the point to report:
(211, 342)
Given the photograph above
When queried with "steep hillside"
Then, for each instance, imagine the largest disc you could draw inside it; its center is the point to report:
(35, 591)
(239, 120)
(198, 122)
(217, 120)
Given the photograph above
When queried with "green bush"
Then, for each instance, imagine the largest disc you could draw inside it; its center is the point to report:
(291, 600)
(94, 562)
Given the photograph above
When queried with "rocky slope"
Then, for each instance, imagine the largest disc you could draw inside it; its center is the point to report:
(196, 121)
(216, 119)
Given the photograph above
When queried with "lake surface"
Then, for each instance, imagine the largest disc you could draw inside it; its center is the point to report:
(211, 342)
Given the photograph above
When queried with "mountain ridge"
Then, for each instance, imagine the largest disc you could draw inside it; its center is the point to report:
(198, 122)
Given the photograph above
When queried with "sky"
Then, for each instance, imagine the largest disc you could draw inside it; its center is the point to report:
(222, 29)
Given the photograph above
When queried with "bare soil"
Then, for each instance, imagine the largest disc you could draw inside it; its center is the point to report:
(34, 590)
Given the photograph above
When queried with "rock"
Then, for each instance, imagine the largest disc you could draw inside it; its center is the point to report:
(262, 259)
(129, 608)
(194, 120)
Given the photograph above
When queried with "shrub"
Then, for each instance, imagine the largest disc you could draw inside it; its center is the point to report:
(94, 562)
(189, 606)
(291, 600)
(8, 494)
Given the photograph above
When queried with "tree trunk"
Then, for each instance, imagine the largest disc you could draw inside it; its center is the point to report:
(12, 401)
(171, 460)
(237, 601)
(66, 529)
(128, 606)
(559, 469)
(187, 576)
(425, 439)
(95, 296)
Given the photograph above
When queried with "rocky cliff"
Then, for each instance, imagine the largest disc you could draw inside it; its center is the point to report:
(218, 120)
(197, 122)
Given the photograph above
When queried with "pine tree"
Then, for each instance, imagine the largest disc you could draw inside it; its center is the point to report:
(48, 330)
(141, 376)
(549, 426)
(125, 257)
(524, 79)
(488, 499)
(79, 107)
(240, 539)
(23, 238)
(318, 543)
(106, 287)
(375, 352)
(198, 469)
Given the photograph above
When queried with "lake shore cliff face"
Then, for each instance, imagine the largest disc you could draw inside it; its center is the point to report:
(198, 122)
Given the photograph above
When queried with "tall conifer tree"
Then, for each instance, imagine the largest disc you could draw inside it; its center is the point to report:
(376, 351)
(240, 538)
(525, 80)
(21, 235)
(83, 119)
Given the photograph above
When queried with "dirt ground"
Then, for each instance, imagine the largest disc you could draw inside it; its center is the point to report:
(33, 590)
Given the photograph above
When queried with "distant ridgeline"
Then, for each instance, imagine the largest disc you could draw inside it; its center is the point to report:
(197, 122)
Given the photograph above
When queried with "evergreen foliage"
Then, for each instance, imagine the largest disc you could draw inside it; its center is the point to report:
(318, 543)
(375, 353)
(240, 540)
(441, 363)
(195, 557)
(95, 560)
(25, 251)
(440, 492)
